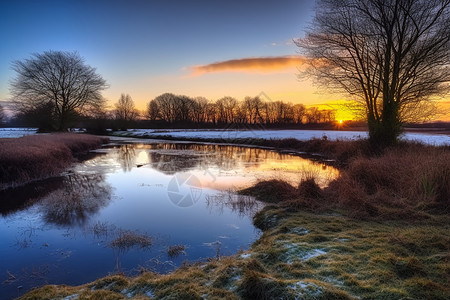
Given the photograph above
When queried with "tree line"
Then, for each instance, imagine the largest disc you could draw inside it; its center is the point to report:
(172, 108)
(177, 110)
(180, 110)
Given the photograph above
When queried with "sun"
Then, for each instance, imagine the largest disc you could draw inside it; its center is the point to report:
(339, 124)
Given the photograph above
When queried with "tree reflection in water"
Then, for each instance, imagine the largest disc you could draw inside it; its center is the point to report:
(226, 161)
(173, 158)
(80, 197)
(127, 157)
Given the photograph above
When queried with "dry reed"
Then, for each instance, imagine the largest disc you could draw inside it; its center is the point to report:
(41, 156)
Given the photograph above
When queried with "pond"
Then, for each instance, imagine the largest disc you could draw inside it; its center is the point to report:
(123, 209)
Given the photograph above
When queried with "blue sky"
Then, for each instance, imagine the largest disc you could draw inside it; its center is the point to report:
(145, 48)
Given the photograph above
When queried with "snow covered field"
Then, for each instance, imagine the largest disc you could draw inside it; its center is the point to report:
(16, 132)
(433, 139)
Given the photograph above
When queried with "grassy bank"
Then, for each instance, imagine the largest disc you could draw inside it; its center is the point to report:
(41, 156)
(379, 231)
(301, 256)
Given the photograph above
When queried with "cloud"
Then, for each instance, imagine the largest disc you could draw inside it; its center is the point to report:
(250, 65)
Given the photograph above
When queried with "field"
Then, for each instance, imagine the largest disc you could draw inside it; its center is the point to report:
(379, 231)
(243, 134)
(36, 157)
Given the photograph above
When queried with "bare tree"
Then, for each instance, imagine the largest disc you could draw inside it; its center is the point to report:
(125, 111)
(199, 110)
(227, 107)
(211, 113)
(253, 108)
(183, 108)
(167, 106)
(61, 78)
(313, 115)
(390, 55)
(153, 112)
(299, 113)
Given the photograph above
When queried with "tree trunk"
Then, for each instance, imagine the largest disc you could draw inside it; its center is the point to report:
(384, 132)
(62, 122)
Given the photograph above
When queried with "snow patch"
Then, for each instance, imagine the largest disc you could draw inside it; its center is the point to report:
(313, 253)
(295, 252)
(16, 132)
(150, 293)
(303, 288)
(299, 230)
(71, 297)
(342, 240)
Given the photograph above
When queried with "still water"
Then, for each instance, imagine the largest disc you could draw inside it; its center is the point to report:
(67, 230)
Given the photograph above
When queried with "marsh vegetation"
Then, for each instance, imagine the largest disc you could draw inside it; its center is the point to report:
(41, 156)
(376, 231)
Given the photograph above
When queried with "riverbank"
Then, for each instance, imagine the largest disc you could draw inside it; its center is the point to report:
(302, 255)
(236, 135)
(380, 231)
(36, 157)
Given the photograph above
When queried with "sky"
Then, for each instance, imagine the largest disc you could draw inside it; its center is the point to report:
(146, 48)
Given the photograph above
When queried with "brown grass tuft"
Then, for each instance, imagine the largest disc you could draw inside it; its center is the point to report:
(272, 191)
(176, 250)
(256, 285)
(128, 239)
(309, 197)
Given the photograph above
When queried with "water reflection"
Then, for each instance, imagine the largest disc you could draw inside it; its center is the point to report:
(127, 157)
(171, 163)
(17, 199)
(150, 185)
(80, 197)
(236, 167)
(223, 166)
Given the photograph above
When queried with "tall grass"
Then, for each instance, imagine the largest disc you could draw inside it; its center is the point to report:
(403, 182)
(41, 156)
(406, 181)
